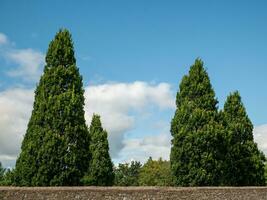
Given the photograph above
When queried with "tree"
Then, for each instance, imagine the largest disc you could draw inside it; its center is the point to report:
(2, 172)
(127, 174)
(54, 150)
(6, 176)
(8, 179)
(155, 173)
(198, 138)
(245, 163)
(100, 172)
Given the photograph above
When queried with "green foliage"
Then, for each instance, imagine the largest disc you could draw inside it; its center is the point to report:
(265, 174)
(155, 173)
(127, 174)
(54, 150)
(245, 163)
(8, 179)
(100, 172)
(2, 172)
(198, 147)
(6, 176)
(208, 148)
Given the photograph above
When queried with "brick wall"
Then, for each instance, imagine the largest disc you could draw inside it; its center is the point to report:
(128, 193)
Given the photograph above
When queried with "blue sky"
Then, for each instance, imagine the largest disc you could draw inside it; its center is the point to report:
(152, 42)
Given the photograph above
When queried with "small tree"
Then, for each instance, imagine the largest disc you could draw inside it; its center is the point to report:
(197, 152)
(8, 179)
(155, 173)
(245, 163)
(2, 173)
(100, 172)
(127, 174)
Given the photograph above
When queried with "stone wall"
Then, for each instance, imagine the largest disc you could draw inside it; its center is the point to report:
(128, 193)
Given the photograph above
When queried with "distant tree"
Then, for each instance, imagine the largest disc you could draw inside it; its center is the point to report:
(245, 163)
(265, 173)
(6, 176)
(127, 174)
(54, 150)
(198, 144)
(8, 179)
(156, 173)
(100, 172)
(2, 172)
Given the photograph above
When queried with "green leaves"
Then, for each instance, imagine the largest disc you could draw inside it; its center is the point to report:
(211, 148)
(127, 174)
(244, 161)
(2, 172)
(100, 171)
(208, 148)
(152, 173)
(156, 173)
(55, 147)
(6, 176)
(197, 135)
(60, 51)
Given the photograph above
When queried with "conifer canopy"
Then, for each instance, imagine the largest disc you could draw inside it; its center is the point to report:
(54, 150)
(244, 161)
(100, 171)
(198, 139)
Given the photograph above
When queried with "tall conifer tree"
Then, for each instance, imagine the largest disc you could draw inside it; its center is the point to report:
(245, 163)
(198, 139)
(2, 172)
(55, 147)
(100, 172)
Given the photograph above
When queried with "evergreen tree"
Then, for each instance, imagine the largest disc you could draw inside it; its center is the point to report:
(245, 163)
(2, 173)
(127, 174)
(54, 150)
(8, 179)
(198, 139)
(100, 172)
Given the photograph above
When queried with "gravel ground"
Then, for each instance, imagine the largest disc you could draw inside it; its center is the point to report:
(129, 193)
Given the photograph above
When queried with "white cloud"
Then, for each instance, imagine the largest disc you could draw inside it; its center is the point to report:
(260, 136)
(29, 61)
(23, 63)
(141, 149)
(3, 39)
(15, 109)
(120, 104)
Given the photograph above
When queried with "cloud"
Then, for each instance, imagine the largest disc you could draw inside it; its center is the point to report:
(15, 109)
(24, 63)
(29, 63)
(260, 136)
(122, 104)
(3, 39)
(141, 149)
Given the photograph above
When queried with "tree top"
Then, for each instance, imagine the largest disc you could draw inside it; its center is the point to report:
(60, 50)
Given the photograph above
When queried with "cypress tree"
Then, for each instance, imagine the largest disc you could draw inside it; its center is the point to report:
(245, 163)
(2, 173)
(100, 172)
(54, 150)
(198, 139)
